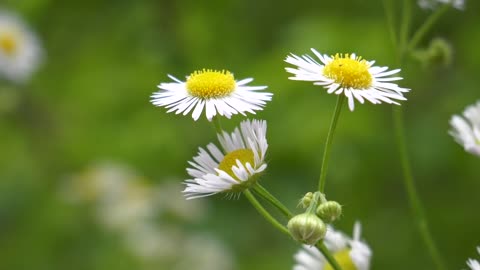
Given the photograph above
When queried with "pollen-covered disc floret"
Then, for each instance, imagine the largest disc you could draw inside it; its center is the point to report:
(351, 254)
(232, 170)
(466, 130)
(212, 90)
(20, 52)
(210, 84)
(474, 264)
(349, 71)
(350, 75)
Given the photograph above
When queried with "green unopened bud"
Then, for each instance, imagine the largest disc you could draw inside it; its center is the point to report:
(307, 228)
(442, 52)
(329, 211)
(306, 200)
(438, 53)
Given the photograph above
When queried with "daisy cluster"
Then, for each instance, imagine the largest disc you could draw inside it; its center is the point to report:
(235, 164)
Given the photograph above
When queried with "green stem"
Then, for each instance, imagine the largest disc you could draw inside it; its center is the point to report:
(387, 5)
(398, 122)
(328, 143)
(399, 126)
(413, 196)
(263, 192)
(326, 253)
(265, 213)
(426, 26)
(405, 24)
(217, 124)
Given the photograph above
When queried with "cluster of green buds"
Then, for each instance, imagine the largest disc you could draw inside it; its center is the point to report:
(309, 227)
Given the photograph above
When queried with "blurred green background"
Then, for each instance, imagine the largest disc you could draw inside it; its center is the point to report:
(89, 102)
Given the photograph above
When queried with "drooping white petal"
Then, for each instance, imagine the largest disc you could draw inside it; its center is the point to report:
(209, 179)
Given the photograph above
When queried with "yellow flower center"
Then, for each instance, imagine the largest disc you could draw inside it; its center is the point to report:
(348, 72)
(209, 83)
(243, 155)
(8, 43)
(344, 260)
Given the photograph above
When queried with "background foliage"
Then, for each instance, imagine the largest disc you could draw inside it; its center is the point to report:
(89, 102)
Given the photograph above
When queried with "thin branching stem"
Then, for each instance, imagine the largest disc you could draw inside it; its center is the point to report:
(266, 195)
(390, 15)
(426, 26)
(256, 204)
(399, 128)
(412, 193)
(328, 144)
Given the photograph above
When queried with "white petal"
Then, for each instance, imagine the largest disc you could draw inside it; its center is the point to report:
(351, 100)
(198, 110)
(210, 109)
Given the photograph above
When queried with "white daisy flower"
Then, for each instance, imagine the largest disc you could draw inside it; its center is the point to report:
(216, 91)
(350, 75)
(474, 264)
(432, 4)
(466, 130)
(20, 51)
(351, 254)
(233, 170)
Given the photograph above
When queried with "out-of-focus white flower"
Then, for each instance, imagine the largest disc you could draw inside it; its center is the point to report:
(104, 181)
(216, 91)
(151, 242)
(168, 197)
(432, 4)
(20, 50)
(205, 253)
(233, 170)
(348, 75)
(474, 264)
(350, 253)
(466, 130)
(133, 206)
(148, 218)
(121, 197)
(160, 245)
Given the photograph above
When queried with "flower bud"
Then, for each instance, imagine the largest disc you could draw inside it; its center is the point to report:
(329, 211)
(306, 200)
(307, 228)
(438, 53)
(441, 51)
